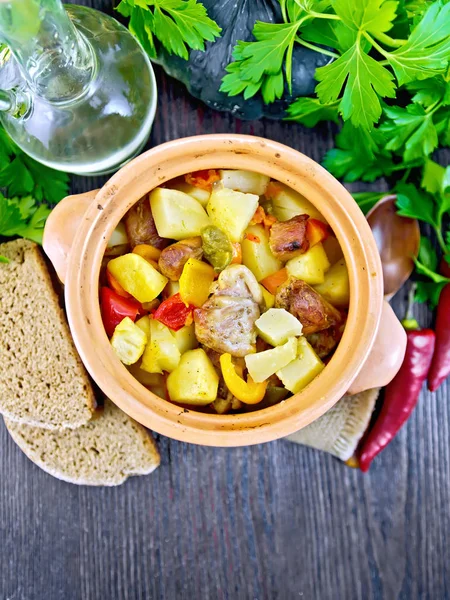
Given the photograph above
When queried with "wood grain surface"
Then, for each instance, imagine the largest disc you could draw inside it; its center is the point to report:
(276, 521)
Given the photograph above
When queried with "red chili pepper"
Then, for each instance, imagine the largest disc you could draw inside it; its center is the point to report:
(173, 312)
(400, 396)
(440, 366)
(115, 308)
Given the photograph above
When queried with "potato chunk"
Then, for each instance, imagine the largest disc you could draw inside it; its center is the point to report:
(161, 353)
(231, 211)
(336, 286)
(256, 255)
(269, 299)
(185, 338)
(264, 364)
(177, 216)
(310, 266)
(277, 325)
(287, 203)
(200, 194)
(195, 380)
(118, 237)
(301, 371)
(137, 276)
(248, 182)
(128, 341)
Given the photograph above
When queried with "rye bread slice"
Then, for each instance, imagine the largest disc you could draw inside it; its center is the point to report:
(42, 380)
(105, 451)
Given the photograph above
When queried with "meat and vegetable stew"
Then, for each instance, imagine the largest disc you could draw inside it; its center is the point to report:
(225, 290)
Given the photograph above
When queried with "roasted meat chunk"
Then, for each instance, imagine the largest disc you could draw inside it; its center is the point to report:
(325, 341)
(310, 308)
(288, 238)
(174, 257)
(140, 226)
(226, 322)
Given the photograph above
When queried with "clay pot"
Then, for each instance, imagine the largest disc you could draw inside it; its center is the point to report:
(369, 354)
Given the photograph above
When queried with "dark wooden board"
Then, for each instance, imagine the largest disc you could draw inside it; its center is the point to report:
(276, 521)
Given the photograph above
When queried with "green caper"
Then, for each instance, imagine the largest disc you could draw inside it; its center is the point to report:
(217, 248)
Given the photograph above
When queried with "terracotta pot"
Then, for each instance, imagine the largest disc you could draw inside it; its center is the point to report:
(371, 349)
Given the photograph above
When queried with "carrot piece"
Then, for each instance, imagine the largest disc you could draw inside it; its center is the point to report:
(272, 190)
(261, 217)
(237, 253)
(252, 238)
(258, 217)
(316, 231)
(202, 179)
(273, 281)
(115, 285)
(148, 252)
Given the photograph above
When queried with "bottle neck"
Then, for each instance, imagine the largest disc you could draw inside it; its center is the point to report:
(57, 62)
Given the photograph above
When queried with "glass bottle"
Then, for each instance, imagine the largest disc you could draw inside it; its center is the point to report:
(78, 92)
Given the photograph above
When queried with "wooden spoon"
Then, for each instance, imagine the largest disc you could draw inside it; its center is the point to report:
(397, 239)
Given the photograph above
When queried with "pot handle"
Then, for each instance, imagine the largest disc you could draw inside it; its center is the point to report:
(61, 227)
(386, 356)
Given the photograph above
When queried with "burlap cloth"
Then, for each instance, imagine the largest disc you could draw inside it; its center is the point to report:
(339, 430)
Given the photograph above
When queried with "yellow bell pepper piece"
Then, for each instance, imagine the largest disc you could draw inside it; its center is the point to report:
(248, 391)
(195, 281)
(269, 298)
(148, 252)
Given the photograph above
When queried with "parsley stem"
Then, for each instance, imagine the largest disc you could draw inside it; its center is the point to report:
(316, 48)
(317, 15)
(283, 10)
(434, 107)
(386, 39)
(374, 44)
(440, 239)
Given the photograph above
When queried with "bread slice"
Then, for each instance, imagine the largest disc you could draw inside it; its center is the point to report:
(39, 364)
(105, 451)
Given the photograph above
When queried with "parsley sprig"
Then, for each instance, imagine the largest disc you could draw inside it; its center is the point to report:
(369, 64)
(179, 25)
(27, 185)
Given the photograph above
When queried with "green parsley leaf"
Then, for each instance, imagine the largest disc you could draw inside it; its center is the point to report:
(3, 259)
(16, 177)
(373, 16)
(259, 65)
(416, 204)
(433, 177)
(309, 111)
(363, 79)
(21, 175)
(430, 91)
(428, 291)
(22, 217)
(177, 24)
(427, 50)
(357, 155)
(427, 254)
(410, 131)
(49, 184)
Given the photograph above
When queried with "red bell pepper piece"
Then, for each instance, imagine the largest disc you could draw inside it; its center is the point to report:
(400, 395)
(174, 313)
(115, 308)
(440, 366)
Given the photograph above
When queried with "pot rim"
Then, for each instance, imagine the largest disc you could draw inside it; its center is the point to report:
(288, 166)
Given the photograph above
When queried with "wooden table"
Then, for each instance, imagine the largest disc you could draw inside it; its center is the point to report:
(276, 521)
